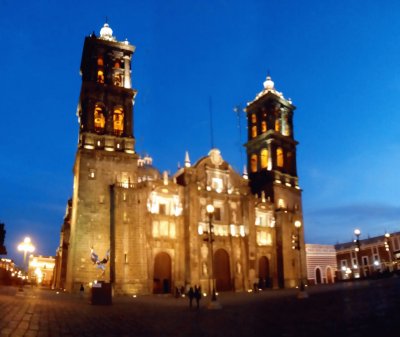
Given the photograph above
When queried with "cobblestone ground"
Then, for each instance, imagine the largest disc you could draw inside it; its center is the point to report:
(363, 308)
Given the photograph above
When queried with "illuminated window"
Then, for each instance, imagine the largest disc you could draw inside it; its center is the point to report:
(279, 157)
(253, 163)
(100, 76)
(92, 174)
(264, 238)
(277, 125)
(100, 61)
(118, 80)
(118, 120)
(264, 158)
(217, 184)
(263, 126)
(99, 120)
(116, 65)
(164, 228)
(254, 131)
(253, 118)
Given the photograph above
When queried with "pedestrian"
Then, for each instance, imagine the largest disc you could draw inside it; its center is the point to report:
(81, 291)
(190, 295)
(197, 295)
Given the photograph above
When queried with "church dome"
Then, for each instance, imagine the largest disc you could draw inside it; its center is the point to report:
(269, 83)
(106, 33)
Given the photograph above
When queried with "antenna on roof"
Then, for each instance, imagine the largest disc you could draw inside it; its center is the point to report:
(211, 123)
(238, 111)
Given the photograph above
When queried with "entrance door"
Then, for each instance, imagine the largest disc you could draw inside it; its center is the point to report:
(222, 271)
(264, 280)
(162, 274)
(318, 278)
(329, 277)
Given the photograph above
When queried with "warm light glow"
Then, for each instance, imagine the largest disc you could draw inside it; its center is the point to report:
(253, 163)
(387, 235)
(99, 119)
(210, 209)
(297, 224)
(26, 246)
(264, 158)
(357, 232)
(279, 157)
(118, 120)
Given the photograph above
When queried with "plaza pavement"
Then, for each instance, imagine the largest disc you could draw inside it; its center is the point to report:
(362, 308)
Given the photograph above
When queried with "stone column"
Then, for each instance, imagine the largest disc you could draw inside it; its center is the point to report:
(127, 72)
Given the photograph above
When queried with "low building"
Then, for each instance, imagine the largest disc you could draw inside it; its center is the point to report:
(321, 263)
(40, 269)
(368, 257)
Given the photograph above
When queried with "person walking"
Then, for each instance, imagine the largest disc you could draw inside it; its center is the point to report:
(81, 291)
(191, 296)
(197, 295)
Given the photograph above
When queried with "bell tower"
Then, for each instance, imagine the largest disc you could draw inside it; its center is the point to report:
(105, 156)
(271, 159)
(105, 107)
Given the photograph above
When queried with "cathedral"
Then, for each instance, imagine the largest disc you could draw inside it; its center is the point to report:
(148, 232)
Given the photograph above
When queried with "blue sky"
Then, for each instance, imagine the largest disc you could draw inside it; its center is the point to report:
(337, 60)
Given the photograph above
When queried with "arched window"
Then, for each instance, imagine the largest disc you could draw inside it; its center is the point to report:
(118, 120)
(254, 131)
(253, 118)
(116, 65)
(100, 61)
(264, 158)
(277, 125)
(253, 163)
(100, 76)
(99, 120)
(118, 79)
(263, 126)
(279, 157)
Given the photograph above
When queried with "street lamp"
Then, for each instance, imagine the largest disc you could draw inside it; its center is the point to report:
(357, 233)
(296, 245)
(387, 248)
(26, 246)
(214, 304)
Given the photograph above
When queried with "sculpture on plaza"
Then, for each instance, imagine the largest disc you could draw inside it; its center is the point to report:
(100, 264)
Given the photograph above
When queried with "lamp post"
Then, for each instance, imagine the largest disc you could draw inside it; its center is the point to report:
(214, 304)
(296, 245)
(357, 233)
(387, 248)
(26, 246)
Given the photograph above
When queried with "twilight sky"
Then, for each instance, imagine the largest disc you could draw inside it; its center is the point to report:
(337, 60)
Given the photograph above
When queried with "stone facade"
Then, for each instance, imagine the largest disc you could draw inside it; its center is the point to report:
(154, 230)
(321, 263)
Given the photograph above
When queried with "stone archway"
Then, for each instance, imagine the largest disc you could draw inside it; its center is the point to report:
(318, 276)
(222, 270)
(264, 279)
(329, 275)
(162, 274)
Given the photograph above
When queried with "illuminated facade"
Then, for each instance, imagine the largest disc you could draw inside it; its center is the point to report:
(374, 256)
(41, 269)
(321, 263)
(154, 225)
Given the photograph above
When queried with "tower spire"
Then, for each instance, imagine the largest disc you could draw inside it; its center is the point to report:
(187, 159)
